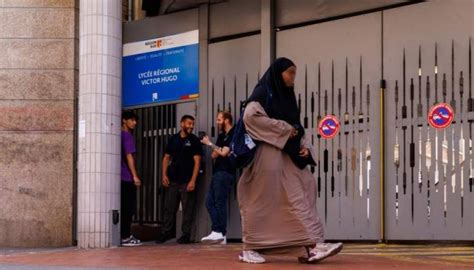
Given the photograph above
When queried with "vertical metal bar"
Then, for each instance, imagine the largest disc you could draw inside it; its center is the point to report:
(453, 100)
(470, 102)
(151, 186)
(160, 166)
(420, 105)
(412, 148)
(361, 112)
(319, 136)
(346, 123)
(382, 158)
(223, 93)
(299, 104)
(235, 97)
(213, 128)
(305, 96)
(332, 140)
(436, 73)
(147, 179)
(130, 6)
(246, 86)
(404, 107)
(143, 159)
(155, 164)
(312, 125)
(326, 162)
(396, 150)
(353, 154)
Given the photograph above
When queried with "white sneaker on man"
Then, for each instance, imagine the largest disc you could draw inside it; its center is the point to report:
(224, 242)
(131, 242)
(214, 238)
(250, 256)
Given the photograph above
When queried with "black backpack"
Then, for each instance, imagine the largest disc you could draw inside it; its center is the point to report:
(242, 146)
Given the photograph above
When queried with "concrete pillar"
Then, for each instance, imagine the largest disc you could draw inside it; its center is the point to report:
(202, 216)
(99, 122)
(267, 47)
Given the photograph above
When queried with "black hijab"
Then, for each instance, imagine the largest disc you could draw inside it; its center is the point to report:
(279, 102)
(282, 105)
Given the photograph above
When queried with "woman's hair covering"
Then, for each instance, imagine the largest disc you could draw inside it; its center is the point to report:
(282, 104)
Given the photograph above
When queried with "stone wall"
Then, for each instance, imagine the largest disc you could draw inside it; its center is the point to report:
(38, 83)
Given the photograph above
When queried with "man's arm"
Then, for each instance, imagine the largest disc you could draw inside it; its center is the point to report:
(216, 150)
(165, 180)
(197, 163)
(220, 151)
(131, 166)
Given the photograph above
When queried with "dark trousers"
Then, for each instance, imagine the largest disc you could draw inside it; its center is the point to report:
(175, 194)
(216, 201)
(128, 201)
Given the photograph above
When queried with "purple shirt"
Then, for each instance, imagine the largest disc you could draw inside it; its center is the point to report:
(128, 147)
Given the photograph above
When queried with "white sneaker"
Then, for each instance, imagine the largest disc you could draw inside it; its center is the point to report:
(131, 242)
(329, 249)
(321, 252)
(213, 238)
(224, 242)
(250, 256)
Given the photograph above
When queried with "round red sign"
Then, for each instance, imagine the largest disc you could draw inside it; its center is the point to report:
(441, 115)
(328, 127)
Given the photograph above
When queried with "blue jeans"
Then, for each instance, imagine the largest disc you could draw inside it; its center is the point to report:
(216, 201)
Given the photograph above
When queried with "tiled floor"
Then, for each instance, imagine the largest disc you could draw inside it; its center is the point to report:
(173, 256)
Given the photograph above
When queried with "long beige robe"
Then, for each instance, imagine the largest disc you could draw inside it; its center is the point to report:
(277, 200)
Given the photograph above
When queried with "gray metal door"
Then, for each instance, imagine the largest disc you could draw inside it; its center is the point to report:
(428, 172)
(155, 126)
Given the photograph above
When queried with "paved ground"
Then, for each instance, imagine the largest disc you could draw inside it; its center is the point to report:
(173, 256)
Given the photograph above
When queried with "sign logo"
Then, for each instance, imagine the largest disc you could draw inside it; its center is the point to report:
(441, 116)
(328, 126)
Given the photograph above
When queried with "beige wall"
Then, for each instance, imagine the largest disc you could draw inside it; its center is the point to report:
(38, 74)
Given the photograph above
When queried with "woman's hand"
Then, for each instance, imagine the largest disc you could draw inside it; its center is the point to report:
(304, 152)
(294, 133)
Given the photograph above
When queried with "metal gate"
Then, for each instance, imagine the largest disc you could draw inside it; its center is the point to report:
(421, 186)
(344, 82)
(428, 172)
(155, 126)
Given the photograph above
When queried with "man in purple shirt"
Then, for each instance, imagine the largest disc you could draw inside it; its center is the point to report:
(130, 179)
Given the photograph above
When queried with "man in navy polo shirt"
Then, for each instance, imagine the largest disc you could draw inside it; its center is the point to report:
(223, 175)
(180, 171)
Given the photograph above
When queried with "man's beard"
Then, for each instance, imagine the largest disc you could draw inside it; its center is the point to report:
(221, 127)
(187, 131)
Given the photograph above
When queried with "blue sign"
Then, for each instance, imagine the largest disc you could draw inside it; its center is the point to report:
(161, 70)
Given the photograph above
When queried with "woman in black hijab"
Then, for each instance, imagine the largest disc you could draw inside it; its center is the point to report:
(275, 93)
(277, 192)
